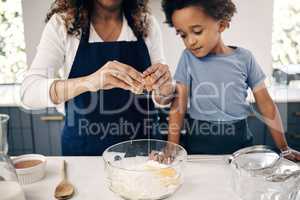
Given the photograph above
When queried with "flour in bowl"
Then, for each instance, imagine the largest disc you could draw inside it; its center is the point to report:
(148, 180)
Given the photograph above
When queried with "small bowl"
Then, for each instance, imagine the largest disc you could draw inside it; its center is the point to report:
(32, 168)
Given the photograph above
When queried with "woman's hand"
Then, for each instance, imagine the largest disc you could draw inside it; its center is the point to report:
(158, 79)
(116, 75)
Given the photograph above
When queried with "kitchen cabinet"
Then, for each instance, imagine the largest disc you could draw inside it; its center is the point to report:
(20, 135)
(46, 126)
(40, 131)
(290, 114)
(33, 131)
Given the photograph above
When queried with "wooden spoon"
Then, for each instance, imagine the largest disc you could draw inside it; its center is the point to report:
(65, 190)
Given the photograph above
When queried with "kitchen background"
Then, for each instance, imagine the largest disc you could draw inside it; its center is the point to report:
(270, 29)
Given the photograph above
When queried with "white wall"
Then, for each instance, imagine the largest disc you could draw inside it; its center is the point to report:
(34, 15)
(251, 28)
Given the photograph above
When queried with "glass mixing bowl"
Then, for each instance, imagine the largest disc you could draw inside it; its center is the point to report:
(259, 173)
(144, 169)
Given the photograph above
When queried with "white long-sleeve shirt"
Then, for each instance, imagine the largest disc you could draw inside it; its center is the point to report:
(56, 53)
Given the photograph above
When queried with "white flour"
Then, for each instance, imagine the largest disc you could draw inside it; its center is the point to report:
(150, 180)
(11, 191)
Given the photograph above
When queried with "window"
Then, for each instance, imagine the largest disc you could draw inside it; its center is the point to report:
(12, 43)
(286, 33)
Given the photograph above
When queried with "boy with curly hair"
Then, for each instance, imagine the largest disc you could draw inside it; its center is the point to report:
(214, 78)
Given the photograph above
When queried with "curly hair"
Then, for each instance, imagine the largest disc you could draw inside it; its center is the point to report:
(217, 9)
(77, 13)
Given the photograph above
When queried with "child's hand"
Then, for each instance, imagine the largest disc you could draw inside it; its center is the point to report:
(292, 155)
(165, 156)
(161, 157)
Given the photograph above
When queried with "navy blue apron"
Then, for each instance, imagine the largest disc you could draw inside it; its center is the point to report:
(208, 137)
(90, 132)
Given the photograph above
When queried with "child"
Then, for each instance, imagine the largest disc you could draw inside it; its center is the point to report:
(214, 78)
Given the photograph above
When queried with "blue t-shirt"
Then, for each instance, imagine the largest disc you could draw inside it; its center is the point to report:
(218, 84)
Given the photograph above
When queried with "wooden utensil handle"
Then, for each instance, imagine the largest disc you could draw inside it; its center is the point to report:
(50, 118)
(64, 170)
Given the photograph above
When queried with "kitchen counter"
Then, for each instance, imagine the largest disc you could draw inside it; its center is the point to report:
(206, 179)
(10, 95)
(281, 93)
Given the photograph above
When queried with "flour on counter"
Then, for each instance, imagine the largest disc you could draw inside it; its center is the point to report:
(11, 191)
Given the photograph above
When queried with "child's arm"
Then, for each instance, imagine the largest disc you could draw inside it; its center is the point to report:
(177, 113)
(272, 118)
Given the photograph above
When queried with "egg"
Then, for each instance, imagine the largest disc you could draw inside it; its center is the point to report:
(167, 172)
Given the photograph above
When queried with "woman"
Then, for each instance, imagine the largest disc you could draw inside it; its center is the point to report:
(108, 50)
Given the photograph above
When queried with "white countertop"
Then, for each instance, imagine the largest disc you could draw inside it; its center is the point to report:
(281, 93)
(207, 180)
(10, 94)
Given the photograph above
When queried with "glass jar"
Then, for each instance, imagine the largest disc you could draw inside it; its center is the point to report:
(260, 173)
(10, 188)
(3, 133)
